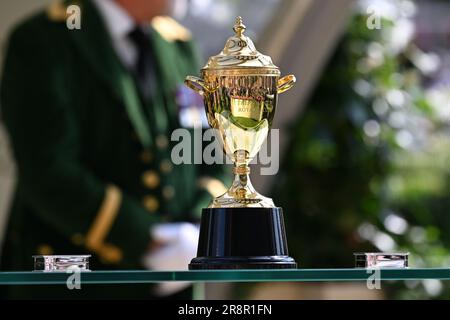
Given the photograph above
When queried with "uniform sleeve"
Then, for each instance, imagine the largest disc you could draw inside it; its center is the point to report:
(213, 181)
(52, 179)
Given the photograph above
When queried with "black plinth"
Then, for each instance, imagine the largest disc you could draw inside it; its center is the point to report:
(242, 238)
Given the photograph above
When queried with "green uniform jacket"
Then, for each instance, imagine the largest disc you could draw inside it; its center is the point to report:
(90, 180)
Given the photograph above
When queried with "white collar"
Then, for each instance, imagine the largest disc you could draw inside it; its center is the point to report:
(118, 22)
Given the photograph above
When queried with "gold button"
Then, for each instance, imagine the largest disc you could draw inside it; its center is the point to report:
(168, 192)
(162, 142)
(150, 203)
(150, 179)
(146, 156)
(166, 166)
(77, 239)
(45, 250)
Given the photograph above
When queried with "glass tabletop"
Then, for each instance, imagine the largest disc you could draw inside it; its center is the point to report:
(294, 275)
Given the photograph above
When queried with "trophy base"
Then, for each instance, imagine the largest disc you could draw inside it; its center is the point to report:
(270, 262)
(242, 238)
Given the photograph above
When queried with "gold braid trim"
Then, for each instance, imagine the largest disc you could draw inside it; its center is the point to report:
(170, 29)
(102, 225)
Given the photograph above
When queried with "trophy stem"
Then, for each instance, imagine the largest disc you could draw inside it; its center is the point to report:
(242, 189)
(242, 193)
(242, 185)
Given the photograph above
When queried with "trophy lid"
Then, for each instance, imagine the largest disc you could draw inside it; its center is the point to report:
(240, 52)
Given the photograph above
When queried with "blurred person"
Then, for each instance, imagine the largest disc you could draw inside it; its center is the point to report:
(89, 113)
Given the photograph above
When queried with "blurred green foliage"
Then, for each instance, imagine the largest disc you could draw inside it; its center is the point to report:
(368, 163)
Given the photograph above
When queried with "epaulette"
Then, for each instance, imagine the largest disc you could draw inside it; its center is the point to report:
(57, 11)
(170, 29)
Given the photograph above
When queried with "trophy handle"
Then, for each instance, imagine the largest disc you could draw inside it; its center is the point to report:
(285, 83)
(197, 84)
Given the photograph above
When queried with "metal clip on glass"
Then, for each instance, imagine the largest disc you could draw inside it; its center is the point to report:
(381, 260)
(49, 263)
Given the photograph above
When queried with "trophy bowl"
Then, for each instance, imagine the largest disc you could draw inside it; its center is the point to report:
(240, 87)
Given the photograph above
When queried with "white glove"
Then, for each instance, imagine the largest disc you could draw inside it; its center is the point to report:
(179, 246)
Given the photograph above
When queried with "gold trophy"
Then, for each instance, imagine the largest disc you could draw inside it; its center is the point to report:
(241, 228)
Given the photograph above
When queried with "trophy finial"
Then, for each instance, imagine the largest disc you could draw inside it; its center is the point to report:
(239, 27)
